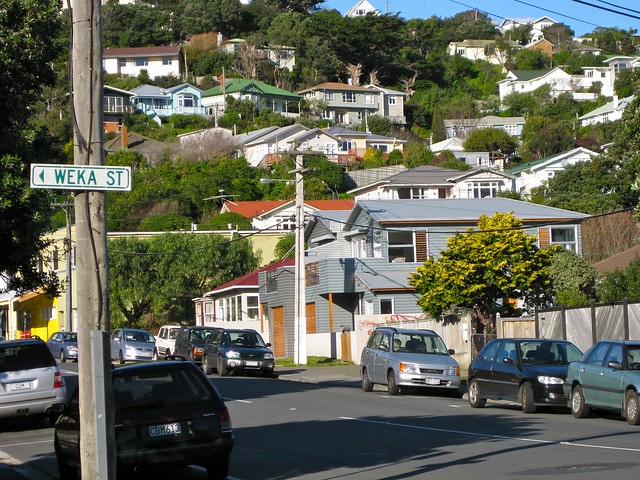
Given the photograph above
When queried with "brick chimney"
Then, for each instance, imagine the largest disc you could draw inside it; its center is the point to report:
(124, 137)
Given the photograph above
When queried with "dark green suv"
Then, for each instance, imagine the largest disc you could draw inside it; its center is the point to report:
(237, 350)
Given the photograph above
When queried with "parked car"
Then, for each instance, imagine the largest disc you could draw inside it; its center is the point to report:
(408, 358)
(236, 350)
(190, 342)
(64, 345)
(529, 371)
(30, 381)
(132, 345)
(166, 341)
(606, 377)
(166, 413)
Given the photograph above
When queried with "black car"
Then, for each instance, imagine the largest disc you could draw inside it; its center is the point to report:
(529, 371)
(166, 413)
(237, 350)
(190, 342)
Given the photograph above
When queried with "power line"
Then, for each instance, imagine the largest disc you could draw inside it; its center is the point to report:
(605, 9)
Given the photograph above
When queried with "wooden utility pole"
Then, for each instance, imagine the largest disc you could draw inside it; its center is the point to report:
(97, 448)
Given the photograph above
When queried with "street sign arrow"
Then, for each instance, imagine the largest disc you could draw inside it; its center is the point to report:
(80, 177)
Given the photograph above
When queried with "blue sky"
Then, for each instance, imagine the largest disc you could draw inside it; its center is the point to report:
(580, 17)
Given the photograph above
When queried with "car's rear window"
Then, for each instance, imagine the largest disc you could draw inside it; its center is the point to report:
(25, 357)
(160, 388)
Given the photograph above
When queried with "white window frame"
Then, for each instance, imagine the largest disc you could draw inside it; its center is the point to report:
(568, 243)
(393, 100)
(349, 97)
(392, 302)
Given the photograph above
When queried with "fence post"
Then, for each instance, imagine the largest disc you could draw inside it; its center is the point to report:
(594, 333)
(625, 318)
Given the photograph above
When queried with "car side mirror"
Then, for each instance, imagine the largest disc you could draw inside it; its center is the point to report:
(451, 351)
(383, 346)
(614, 364)
(508, 361)
(268, 344)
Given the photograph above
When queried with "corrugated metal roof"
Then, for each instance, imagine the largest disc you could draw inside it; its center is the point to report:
(387, 280)
(456, 210)
(141, 51)
(233, 85)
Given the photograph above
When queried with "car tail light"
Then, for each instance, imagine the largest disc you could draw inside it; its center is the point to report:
(225, 419)
(58, 381)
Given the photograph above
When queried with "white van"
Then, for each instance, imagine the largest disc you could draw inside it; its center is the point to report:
(166, 341)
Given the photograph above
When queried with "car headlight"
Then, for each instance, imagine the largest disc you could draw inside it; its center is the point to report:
(454, 371)
(268, 356)
(233, 354)
(409, 368)
(550, 380)
(72, 348)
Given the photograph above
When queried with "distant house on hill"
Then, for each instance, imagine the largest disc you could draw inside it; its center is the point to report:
(157, 102)
(537, 25)
(362, 8)
(486, 50)
(157, 61)
(536, 173)
(609, 112)
(460, 127)
(526, 81)
(261, 94)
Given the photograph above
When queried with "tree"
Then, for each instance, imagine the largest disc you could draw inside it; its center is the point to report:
(574, 279)
(620, 284)
(152, 281)
(490, 140)
(486, 270)
(27, 30)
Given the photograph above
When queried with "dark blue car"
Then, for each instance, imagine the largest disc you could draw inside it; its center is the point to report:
(529, 371)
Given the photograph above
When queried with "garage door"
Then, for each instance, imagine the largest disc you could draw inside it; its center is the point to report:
(279, 341)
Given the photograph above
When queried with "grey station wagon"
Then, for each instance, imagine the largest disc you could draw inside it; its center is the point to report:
(408, 358)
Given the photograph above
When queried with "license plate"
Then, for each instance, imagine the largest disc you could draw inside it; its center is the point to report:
(19, 386)
(161, 430)
(432, 381)
(251, 364)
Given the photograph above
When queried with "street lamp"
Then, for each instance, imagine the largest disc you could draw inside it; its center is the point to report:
(300, 304)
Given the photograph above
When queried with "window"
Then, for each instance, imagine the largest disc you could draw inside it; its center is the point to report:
(113, 104)
(349, 97)
(346, 145)
(511, 129)
(359, 246)
(330, 96)
(603, 74)
(122, 62)
(369, 98)
(565, 236)
(141, 62)
(392, 100)
(589, 74)
(252, 307)
(208, 312)
(382, 148)
(167, 61)
(283, 222)
(484, 189)
(386, 306)
(401, 246)
(186, 100)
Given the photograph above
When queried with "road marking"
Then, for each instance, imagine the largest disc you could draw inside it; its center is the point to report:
(488, 435)
(24, 443)
(20, 467)
(229, 399)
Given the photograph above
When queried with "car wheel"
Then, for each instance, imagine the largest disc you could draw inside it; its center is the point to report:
(63, 357)
(218, 470)
(65, 471)
(392, 386)
(367, 384)
(526, 398)
(205, 366)
(120, 357)
(579, 408)
(475, 400)
(223, 372)
(631, 408)
(155, 355)
(167, 353)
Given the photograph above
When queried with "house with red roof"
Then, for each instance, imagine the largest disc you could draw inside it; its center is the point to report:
(280, 214)
(236, 303)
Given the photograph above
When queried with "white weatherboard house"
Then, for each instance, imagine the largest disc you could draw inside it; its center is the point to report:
(157, 61)
(536, 173)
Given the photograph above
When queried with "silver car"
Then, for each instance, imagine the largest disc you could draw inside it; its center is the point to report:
(132, 345)
(408, 358)
(30, 380)
(64, 345)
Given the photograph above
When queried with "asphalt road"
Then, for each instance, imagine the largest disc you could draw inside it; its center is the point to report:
(299, 430)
